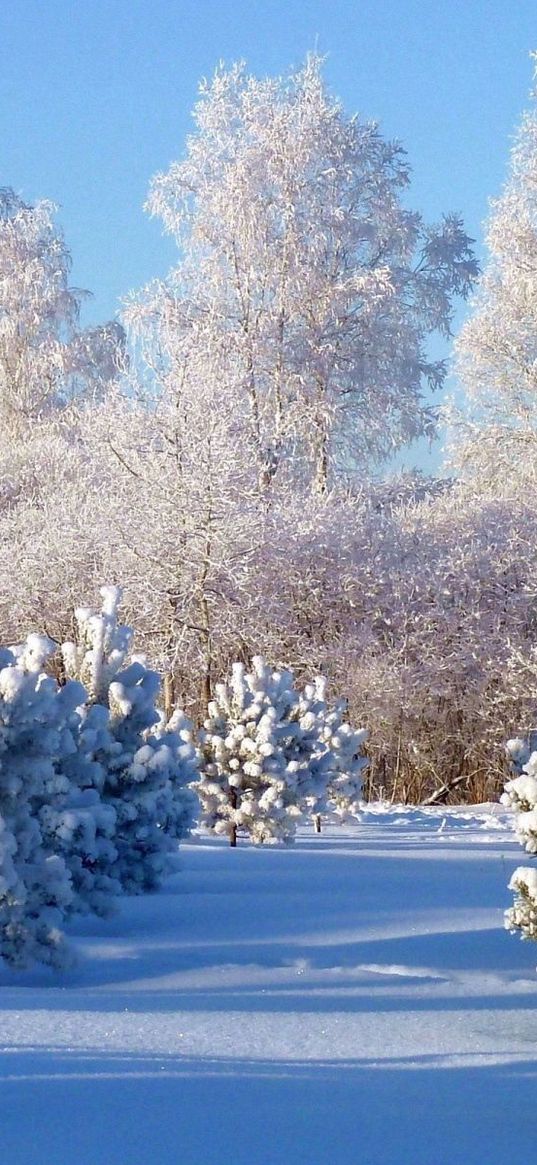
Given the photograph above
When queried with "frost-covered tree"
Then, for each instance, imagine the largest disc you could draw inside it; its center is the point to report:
(146, 761)
(46, 359)
(35, 740)
(305, 287)
(494, 433)
(263, 762)
(189, 516)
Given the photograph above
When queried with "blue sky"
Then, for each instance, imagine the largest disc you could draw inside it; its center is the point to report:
(96, 95)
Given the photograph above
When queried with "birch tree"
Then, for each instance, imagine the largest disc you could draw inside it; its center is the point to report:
(300, 261)
(494, 430)
(46, 358)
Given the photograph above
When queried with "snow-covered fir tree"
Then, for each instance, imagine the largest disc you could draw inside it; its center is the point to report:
(345, 788)
(309, 748)
(147, 763)
(263, 759)
(80, 825)
(35, 740)
(521, 795)
(329, 739)
(522, 915)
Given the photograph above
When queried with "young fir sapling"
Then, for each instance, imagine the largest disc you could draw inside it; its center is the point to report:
(521, 795)
(268, 754)
(148, 764)
(35, 739)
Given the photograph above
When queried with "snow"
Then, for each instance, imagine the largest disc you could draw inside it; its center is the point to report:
(354, 998)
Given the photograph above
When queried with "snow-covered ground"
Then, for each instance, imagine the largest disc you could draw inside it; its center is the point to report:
(353, 999)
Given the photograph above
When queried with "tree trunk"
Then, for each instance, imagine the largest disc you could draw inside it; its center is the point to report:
(442, 794)
(205, 613)
(169, 695)
(206, 693)
(317, 822)
(320, 484)
(321, 471)
(233, 827)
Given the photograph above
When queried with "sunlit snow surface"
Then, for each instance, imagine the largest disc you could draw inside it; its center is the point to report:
(353, 1000)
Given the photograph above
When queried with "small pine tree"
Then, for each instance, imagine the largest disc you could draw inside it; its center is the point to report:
(263, 762)
(35, 736)
(310, 750)
(92, 794)
(522, 915)
(147, 764)
(521, 795)
(344, 792)
(82, 826)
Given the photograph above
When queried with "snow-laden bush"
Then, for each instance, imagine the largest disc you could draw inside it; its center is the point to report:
(35, 740)
(144, 765)
(270, 753)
